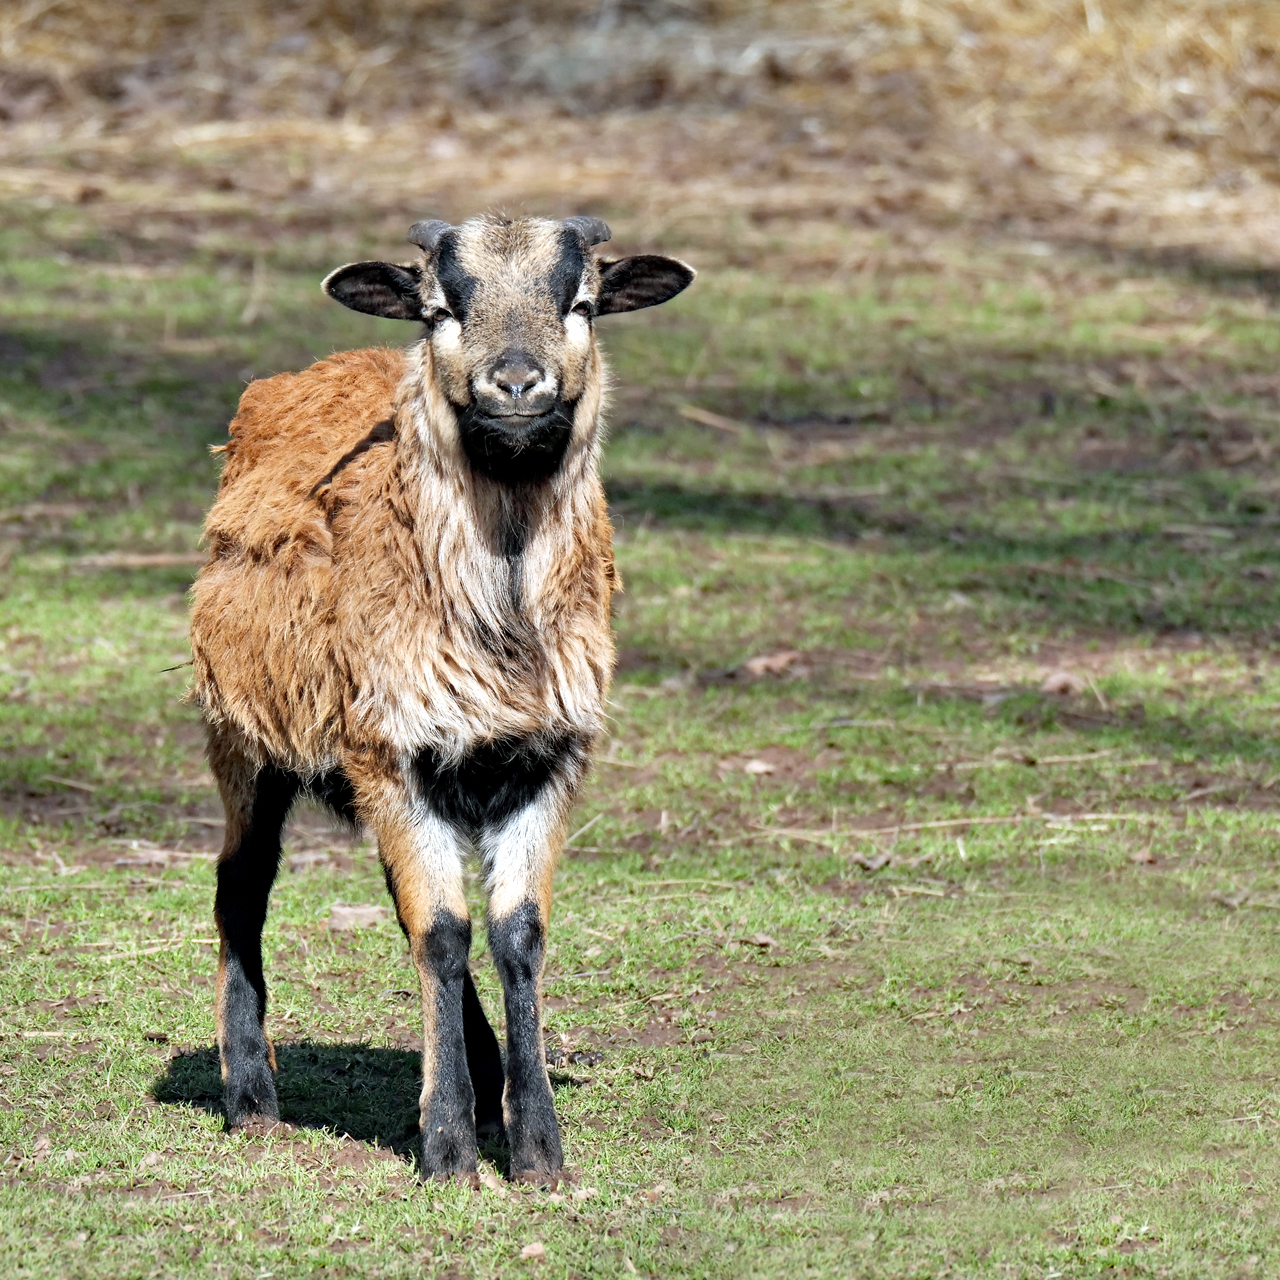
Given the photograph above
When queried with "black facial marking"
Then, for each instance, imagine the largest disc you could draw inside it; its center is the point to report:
(456, 283)
(240, 908)
(517, 943)
(567, 274)
(449, 1119)
(497, 779)
(514, 450)
(383, 433)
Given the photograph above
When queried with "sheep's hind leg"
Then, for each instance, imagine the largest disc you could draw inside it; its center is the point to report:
(422, 858)
(484, 1064)
(257, 803)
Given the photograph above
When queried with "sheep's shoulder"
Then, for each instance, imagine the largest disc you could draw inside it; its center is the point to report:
(290, 436)
(301, 420)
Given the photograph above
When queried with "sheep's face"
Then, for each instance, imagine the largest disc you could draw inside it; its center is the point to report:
(509, 307)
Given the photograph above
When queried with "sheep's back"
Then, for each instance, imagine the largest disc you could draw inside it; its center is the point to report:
(291, 434)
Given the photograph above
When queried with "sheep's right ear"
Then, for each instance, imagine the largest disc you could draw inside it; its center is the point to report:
(377, 289)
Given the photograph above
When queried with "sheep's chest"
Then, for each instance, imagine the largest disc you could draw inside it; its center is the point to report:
(491, 662)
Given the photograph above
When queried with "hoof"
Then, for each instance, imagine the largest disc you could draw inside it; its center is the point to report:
(470, 1180)
(545, 1179)
(258, 1125)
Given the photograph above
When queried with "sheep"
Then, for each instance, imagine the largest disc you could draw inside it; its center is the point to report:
(405, 614)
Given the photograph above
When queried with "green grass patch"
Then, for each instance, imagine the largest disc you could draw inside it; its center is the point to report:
(898, 953)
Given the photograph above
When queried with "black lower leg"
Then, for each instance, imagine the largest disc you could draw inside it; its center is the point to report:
(484, 1062)
(448, 1100)
(245, 878)
(517, 943)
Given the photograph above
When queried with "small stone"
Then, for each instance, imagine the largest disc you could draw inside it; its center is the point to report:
(770, 664)
(343, 917)
(534, 1252)
(1063, 683)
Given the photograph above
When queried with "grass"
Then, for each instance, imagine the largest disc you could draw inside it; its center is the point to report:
(799, 1026)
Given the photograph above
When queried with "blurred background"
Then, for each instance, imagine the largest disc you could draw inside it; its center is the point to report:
(733, 125)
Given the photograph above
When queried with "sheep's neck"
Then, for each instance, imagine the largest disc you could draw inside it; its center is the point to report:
(491, 547)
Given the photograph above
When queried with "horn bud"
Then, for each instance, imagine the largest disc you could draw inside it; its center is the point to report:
(592, 230)
(426, 234)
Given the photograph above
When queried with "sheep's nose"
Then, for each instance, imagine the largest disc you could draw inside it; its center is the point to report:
(515, 373)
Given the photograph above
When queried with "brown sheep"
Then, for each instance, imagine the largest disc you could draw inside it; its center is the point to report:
(405, 614)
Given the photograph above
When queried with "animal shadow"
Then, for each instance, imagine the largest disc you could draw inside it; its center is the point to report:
(352, 1090)
(355, 1091)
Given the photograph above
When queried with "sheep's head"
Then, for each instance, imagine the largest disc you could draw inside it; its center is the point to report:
(509, 307)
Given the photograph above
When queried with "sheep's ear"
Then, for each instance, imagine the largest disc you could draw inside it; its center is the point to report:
(631, 283)
(377, 288)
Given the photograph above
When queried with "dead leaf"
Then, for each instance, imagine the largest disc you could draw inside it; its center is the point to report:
(343, 917)
(761, 940)
(535, 1251)
(758, 767)
(1145, 857)
(870, 864)
(771, 664)
(1064, 684)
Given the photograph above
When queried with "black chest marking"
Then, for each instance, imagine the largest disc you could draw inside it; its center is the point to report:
(498, 779)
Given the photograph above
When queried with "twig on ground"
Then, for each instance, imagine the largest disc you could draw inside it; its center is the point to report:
(816, 837)
(586, 826)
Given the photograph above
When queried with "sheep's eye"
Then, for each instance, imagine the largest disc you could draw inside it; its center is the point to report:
(584, 308)
(440, 314)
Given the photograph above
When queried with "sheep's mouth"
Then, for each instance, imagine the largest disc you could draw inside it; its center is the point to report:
(516, 448)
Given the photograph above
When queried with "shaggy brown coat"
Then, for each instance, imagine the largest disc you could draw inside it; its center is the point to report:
(355, 585)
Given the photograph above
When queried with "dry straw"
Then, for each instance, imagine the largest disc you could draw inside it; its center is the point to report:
(1203, 74)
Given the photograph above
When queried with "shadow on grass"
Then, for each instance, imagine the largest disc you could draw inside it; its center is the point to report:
(1231, 276)
(1050, 571)
(355, 1091)
(352, 1090)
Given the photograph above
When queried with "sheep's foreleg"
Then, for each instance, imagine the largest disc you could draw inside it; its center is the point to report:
(519, 858)
(422, 857)
(257, 803)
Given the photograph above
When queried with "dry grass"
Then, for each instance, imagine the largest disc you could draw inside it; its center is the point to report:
(1148, 125)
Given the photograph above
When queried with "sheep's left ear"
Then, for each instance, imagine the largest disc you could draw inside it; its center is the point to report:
(377, 289)
(644, 281)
